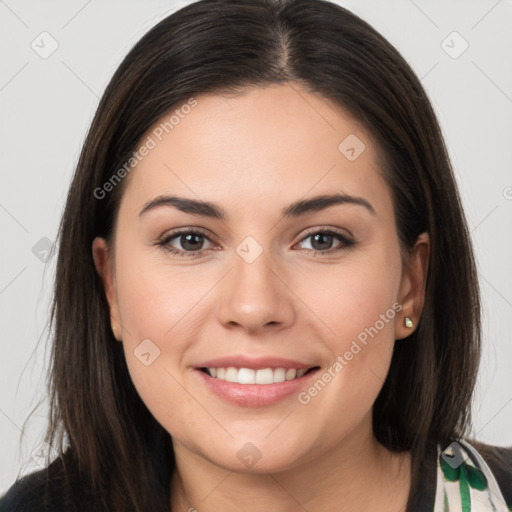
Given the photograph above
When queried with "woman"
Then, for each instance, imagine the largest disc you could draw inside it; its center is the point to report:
(209, 353)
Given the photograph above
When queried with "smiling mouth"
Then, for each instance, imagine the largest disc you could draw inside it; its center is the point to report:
(263, 376)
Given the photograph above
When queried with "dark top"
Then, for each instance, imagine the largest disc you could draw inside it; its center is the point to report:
(43, 490)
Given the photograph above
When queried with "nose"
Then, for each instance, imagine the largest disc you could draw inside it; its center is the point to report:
(255, 297)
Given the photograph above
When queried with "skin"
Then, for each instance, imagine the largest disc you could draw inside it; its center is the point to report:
(254, 154)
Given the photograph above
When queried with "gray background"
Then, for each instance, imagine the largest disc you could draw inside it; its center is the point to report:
(48, 103)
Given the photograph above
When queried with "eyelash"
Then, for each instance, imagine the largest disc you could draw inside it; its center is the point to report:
(346, 242)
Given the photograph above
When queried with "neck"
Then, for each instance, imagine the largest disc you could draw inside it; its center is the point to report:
(358, 474)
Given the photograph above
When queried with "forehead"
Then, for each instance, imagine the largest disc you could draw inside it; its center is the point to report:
(261, 147)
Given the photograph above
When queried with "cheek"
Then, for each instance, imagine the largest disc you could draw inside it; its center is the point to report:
(355, 299)
(357, 308)
(155, 300)
(163, 309)
(154, 316)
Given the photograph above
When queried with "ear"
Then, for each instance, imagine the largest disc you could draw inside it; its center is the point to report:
(412, 286)
(105, 268)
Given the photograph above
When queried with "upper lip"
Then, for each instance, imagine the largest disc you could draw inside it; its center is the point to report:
(255, 363)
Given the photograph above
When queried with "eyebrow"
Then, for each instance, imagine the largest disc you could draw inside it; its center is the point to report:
(296, 209)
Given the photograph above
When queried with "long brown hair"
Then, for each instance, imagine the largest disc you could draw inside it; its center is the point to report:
(216, 46)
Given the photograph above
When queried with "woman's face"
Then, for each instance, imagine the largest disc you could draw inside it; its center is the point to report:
(270, 280)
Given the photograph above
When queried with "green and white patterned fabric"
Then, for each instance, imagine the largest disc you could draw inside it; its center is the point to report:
(465, 482)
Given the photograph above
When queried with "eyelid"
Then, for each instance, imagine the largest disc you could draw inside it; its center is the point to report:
(187, 230)
(347, 240)
(196, 229)
(166, 238)
(327, 229)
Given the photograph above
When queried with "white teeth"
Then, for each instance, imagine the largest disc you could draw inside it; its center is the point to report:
(250, 376)
(247, 376)
(265, 376)
(291, 374)
(231, 374)
(279, 375)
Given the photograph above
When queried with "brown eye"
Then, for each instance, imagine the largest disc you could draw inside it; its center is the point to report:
(190, 243)
(322, 241)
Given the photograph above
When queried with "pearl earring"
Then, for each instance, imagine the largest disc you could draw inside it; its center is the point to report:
(408, 322)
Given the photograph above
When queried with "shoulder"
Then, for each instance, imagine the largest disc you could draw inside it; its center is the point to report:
(54, 489)
(499, 460)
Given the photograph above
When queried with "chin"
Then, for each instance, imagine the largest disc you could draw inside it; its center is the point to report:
(252, 458)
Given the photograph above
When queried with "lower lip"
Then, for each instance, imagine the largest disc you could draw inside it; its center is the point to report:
(255, 395)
